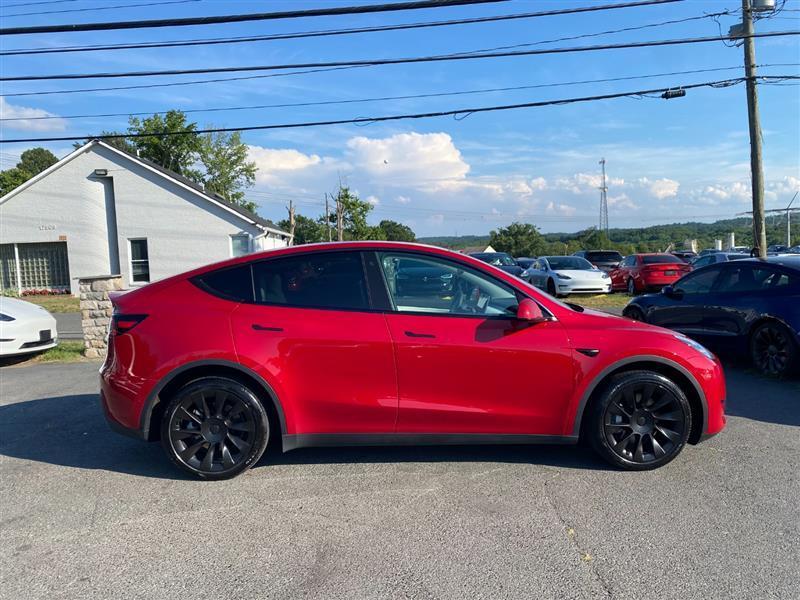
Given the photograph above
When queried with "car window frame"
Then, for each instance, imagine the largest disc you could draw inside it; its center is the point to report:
(375, 303)
(457, 264)
(697, 273)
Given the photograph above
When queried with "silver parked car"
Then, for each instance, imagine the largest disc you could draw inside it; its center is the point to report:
(564, 275)
(716, 257)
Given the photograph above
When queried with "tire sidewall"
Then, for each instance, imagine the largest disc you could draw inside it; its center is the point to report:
(596, 432)
(254, 405)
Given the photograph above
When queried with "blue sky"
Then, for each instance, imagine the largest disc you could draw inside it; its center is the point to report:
(677, 160)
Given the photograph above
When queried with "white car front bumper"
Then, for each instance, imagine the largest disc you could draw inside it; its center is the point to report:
(28, 335)
(593, 285)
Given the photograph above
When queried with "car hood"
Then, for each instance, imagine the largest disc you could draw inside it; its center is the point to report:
(19, 309)
(513, 269)
(580, 273)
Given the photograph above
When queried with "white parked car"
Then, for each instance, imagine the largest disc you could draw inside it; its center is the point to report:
(25, 327)
(564, 275)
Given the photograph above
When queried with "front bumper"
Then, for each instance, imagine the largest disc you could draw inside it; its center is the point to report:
(584, 286)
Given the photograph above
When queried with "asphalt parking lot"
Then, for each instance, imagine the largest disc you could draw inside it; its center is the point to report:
(86, 513)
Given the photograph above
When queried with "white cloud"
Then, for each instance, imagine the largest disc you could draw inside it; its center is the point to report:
(402, 200)
(26, 114)
(273, 162)
(411, 158)
(660, 188)
(560, 209)
(374, 200)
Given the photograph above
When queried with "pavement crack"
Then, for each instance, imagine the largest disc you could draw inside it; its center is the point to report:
(585, 557)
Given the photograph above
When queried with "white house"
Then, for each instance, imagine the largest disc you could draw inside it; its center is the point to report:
(102, 211)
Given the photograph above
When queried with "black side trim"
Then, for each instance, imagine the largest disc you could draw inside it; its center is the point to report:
(153, 398)
(576, 429)
(309, 440)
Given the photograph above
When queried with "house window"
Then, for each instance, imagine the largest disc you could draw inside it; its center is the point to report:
(240, 244)
(140, 261)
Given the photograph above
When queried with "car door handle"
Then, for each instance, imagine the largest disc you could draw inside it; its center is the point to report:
(258, 327)
(412, 334)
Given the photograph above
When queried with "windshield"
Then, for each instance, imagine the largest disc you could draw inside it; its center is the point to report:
(604, 256)
(576, 263)
(497, 259)
(656, 259)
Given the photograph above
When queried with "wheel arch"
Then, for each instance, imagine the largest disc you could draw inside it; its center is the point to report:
(675, 372)
(767, 319)
(177, 378)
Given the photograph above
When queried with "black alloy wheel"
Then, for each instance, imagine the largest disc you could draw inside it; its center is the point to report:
(640, 421)
(215, 428)
(773, 351)
(551, 288)
(631, 287)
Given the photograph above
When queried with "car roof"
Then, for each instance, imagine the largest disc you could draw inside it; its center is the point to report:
(787, 260)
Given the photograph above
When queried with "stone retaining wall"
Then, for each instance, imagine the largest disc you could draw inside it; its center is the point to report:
(96, 311)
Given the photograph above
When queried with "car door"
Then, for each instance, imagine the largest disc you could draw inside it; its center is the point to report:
(740, 295)
(684, 309)
(466, 365)
(314, 335)
(539, 274)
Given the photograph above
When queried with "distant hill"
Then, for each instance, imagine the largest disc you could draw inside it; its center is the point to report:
(652, 238)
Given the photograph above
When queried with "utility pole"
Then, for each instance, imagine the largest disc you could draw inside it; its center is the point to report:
(327, 217)
(339, 216)
(604, 201)
(789, 221)
(757, 174)
(290, 208)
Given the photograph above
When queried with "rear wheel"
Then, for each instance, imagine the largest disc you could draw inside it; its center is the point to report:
(773, 350)
(631, 287)
(215, 428)
(551, 288)
(640, 421)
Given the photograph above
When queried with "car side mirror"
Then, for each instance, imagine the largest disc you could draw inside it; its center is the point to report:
(529, 311)
(671, 292)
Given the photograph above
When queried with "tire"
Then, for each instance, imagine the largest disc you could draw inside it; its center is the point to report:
(773, 350)
(639, 421)
(551, 288)
(634, 313)
(631, 287)
(219, 416)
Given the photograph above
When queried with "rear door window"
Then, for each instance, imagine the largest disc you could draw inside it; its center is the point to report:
(314, 280)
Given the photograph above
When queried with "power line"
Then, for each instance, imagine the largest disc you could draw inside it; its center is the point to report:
(96, 8)
(404, 97)
(479, 54)
(349, 31)
(35, 3)
(464, 112)
(240, 18)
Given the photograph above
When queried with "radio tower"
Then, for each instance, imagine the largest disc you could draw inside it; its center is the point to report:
(604, 201)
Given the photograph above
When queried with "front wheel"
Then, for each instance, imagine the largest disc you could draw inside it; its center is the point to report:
(634, 313)
(640, 421)
(773, 350)
(215, 428)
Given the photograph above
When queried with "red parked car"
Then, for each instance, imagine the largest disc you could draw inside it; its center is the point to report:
(647, 272)
(333, 344)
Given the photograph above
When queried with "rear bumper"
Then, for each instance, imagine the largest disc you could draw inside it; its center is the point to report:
(116, 426)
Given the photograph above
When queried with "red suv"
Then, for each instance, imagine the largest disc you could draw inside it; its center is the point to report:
(337, 344)
(647, 272)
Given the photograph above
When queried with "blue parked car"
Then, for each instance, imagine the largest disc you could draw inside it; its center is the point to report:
(750, 307)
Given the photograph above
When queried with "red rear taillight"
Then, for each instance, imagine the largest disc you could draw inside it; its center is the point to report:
(123, 323)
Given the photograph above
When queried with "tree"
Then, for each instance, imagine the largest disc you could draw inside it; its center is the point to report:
(396, 232)
(31, 162)
(306, 230)
(177, 153)
(354, 216)
(518, 239)
(227, 170)
(36, 160)
(120, 143)
(12, 178)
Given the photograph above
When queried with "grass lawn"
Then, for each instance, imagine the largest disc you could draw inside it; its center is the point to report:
(617, 300)
(66, 351)
(55, 304)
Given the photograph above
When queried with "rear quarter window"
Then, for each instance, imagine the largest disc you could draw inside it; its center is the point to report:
(233, 283)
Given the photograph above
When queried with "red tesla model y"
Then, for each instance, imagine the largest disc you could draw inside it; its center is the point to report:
(368, 343)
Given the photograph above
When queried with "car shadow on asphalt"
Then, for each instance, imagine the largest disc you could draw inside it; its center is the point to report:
(761, 398)
(71, 431)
